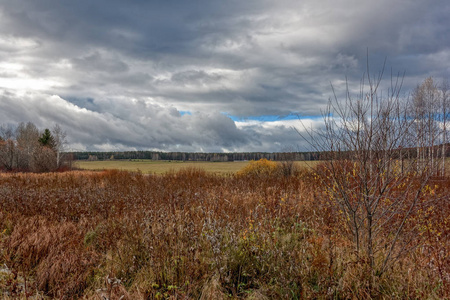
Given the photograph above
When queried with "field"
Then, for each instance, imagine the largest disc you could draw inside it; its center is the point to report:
(161, 167)
(192, 234)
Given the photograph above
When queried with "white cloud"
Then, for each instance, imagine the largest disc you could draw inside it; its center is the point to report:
(10, 43)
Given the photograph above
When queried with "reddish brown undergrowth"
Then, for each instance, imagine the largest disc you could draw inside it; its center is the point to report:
(195, 235)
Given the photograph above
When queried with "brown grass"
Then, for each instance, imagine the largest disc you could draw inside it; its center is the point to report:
(195, 235)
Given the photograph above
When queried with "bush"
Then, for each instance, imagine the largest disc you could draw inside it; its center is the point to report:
(259, 168)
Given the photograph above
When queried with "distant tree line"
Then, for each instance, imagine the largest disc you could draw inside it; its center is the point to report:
(402, 154)
(26, 148)
(196, 156)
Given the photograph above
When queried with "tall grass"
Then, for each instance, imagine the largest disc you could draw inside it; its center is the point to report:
(195, 235)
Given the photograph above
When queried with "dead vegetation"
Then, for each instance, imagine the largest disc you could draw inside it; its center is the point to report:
(193, 235)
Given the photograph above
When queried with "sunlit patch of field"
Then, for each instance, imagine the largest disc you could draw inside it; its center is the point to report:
(161, 167)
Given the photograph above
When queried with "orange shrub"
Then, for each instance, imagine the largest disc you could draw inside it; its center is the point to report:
(262, 167)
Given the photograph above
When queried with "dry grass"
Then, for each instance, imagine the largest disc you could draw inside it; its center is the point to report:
(161, 167)
(195, 235)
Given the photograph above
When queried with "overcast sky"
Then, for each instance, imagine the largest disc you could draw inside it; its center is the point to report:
(212, 75)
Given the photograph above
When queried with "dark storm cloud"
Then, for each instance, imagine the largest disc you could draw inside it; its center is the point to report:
(117, 74)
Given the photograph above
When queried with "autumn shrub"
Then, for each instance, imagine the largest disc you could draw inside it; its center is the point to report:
(260, 168)
(267, 168)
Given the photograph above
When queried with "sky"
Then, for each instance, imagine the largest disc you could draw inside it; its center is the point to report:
(204, 75)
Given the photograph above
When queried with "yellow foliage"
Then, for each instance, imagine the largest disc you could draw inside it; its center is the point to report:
(262, 167)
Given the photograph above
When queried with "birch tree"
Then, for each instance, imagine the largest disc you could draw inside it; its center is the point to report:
(445, 114)
(59, 138)
(426, 98)
(27, 136)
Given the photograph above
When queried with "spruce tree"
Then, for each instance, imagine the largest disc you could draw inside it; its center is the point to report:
(47, 139)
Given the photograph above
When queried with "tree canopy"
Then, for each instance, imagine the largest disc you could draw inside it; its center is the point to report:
(25, 148)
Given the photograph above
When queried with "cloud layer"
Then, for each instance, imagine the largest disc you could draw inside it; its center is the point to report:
(165, 75)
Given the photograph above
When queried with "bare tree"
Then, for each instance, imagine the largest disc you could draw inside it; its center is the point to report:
(426, 98)
(8, 154)
(6, 132)
(444, 121)
(27, 136)
(7, 148)
(44, 160)
(59, 137)
(372, 192)
(287, 157)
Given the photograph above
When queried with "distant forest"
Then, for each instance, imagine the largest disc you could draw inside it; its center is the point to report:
(235, 156)
(188, 156)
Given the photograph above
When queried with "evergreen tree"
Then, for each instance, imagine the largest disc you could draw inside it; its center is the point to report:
(47, 139)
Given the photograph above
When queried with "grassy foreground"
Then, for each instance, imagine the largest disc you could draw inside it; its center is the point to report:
(195, 235)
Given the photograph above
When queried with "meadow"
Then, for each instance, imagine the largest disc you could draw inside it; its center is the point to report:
(192, 234)
(162, 166)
